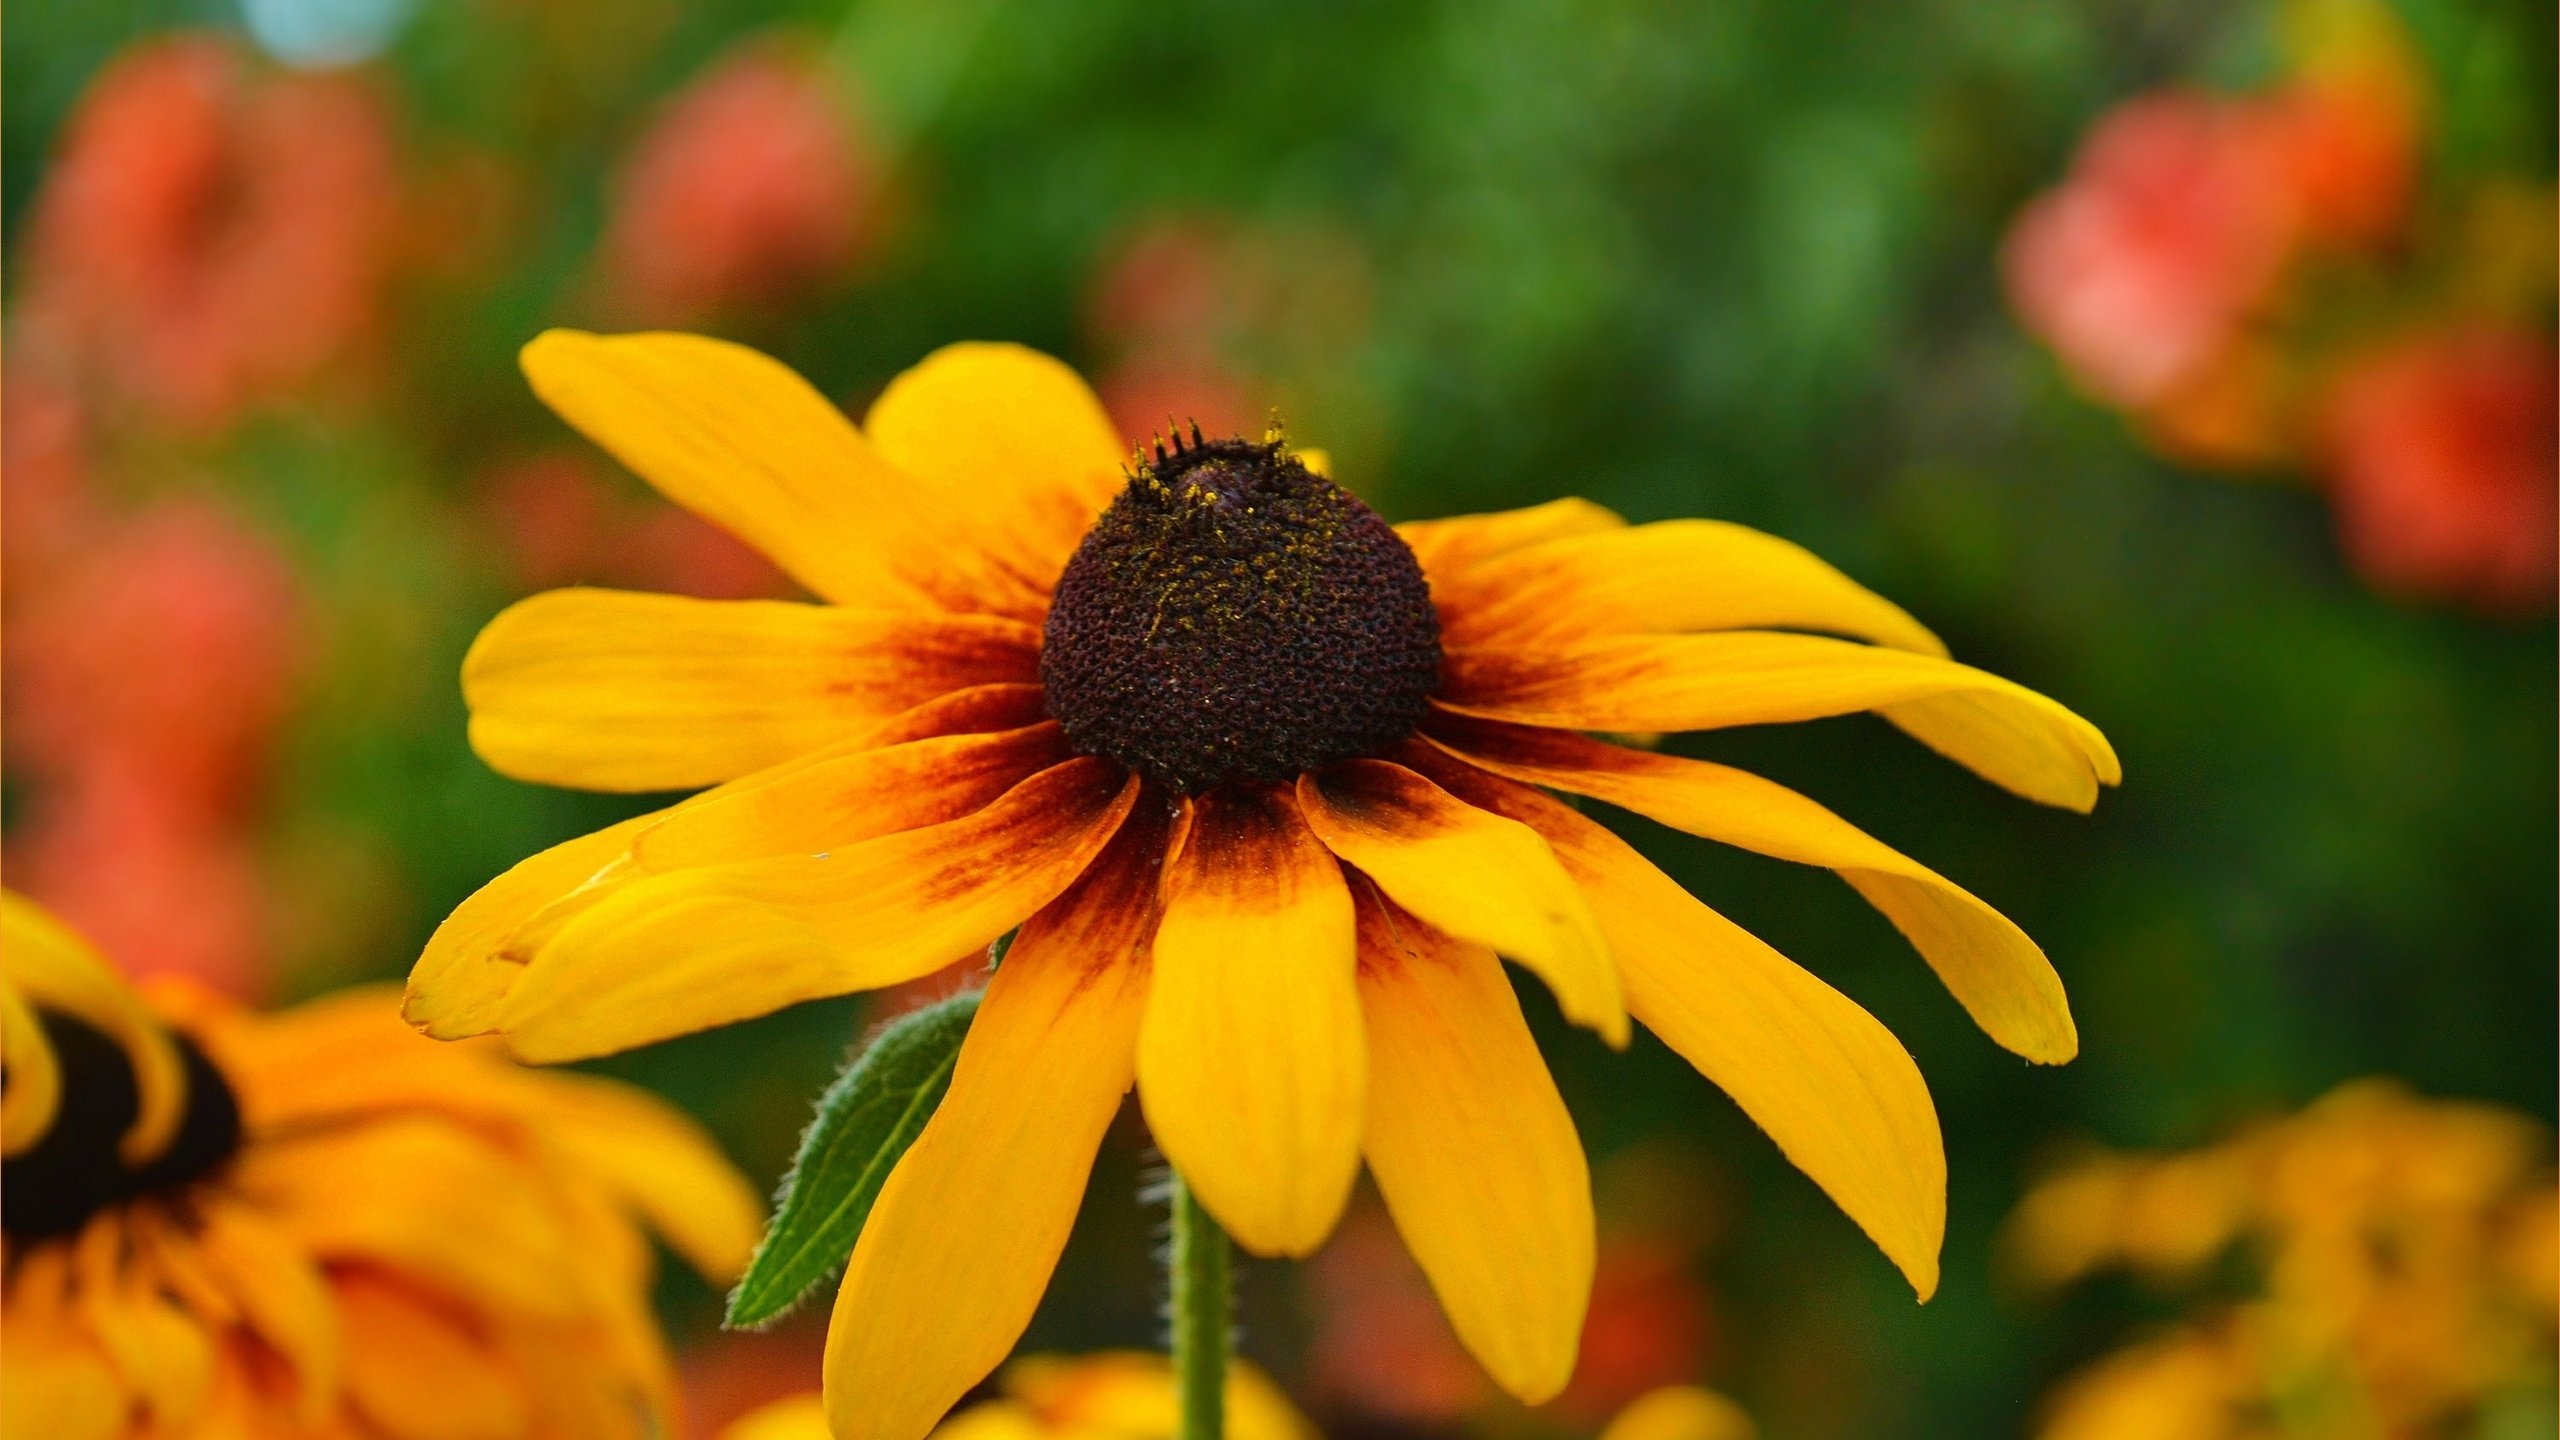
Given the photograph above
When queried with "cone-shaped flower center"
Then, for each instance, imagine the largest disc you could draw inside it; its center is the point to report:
(75, 1171)
(1234, 616)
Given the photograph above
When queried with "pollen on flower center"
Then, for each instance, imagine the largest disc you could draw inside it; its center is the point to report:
(1235, 616)
(75, 1170)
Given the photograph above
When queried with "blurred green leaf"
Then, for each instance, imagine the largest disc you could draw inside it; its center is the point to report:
(866, 1120)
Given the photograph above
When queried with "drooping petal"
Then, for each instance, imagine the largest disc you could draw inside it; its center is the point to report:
(662, 1164)
(721, 943)
(1988, 963)
(34, 1093)
(163, 1353)
(737, 438)
(1474, 874)
(1830, 1085)
(1447, 547)
(615, 690)
(1251, 1064)
(50, 966)
(1667, 577)
(2004, 732)
(1473, 1150)
(1013, 447)
(961, 1242)
(282, 1294)
(58, 1385)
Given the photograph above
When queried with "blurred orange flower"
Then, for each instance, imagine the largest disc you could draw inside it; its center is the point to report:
(753, 185)
(316, 1223)
(213, 232)
(562, 523)
(2445, 469)
(2402, 1257)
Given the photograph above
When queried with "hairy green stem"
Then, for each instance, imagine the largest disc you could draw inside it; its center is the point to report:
(1203, 1287)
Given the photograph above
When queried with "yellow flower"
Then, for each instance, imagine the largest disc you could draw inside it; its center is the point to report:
(1127, 1395)
(2404, 1263)
(1114, 1395)
(1258, 777)
(314, 1222)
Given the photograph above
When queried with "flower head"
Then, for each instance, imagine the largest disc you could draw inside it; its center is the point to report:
(1116, 1395)
(313, 1222)
(1260, 780)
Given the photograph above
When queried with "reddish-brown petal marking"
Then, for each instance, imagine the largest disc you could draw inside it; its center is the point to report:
(1988, 963)
(613, 690)
(707, 946)
(2004, 732)
(1251, 1065)
(1472, 873)
(1667, 577)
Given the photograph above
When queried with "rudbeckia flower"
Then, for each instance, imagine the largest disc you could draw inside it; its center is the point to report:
(1115, 1395)
(1260, 779)
(315, 1223)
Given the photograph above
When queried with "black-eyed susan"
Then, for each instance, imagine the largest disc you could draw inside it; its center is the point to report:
(220, 1223)
(1258, 777)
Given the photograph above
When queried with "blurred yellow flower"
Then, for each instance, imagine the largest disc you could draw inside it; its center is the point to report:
(1130, 1395)
(1115, 1395)
(1255, 774)
(314, 1222)
(2403, 1263)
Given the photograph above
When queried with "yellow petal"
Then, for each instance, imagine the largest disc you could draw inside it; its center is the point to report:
(1130, 1393)
(1988, 963)
(418, 1372)
(56, 1384)
(1832, 1086)
(703, 947)
(799, 1417)
(163, 1352)
(2005, 733)
(51, 966)
(1681, 1412)
(1012, 446)
(614, 690)
(657, 1160)
(1473, 874)
(850, 798)
(281, 1292)
(1251, 1064)
(1667, 577)
(425, 1196)
(1448, 547)
(1473, 1150)
(460, 980)
(960, 1245)
(737, 438)
(34, 1091)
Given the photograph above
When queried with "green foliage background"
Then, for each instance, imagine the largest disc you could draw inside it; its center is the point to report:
(1717, 259)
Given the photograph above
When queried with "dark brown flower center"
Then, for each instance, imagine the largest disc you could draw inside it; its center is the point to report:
(76, 1170)
(1235, 616)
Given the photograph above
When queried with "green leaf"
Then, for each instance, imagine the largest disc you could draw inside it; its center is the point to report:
(866, 1120)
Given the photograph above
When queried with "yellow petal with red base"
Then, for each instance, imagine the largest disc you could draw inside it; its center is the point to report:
(616, 690)
(1251, 1064)
(2003, 732)
(1473, 1150)
(1831, 1085)
(703, 947)
(1473, 874)
(1988, 963)
(1013, 450)
(1667, 577)
(965, 1233)
(50, 965)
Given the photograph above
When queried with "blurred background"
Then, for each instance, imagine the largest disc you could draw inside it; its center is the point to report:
(2191, 362)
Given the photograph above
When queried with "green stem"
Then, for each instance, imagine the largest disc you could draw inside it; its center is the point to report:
(1202, 1302)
